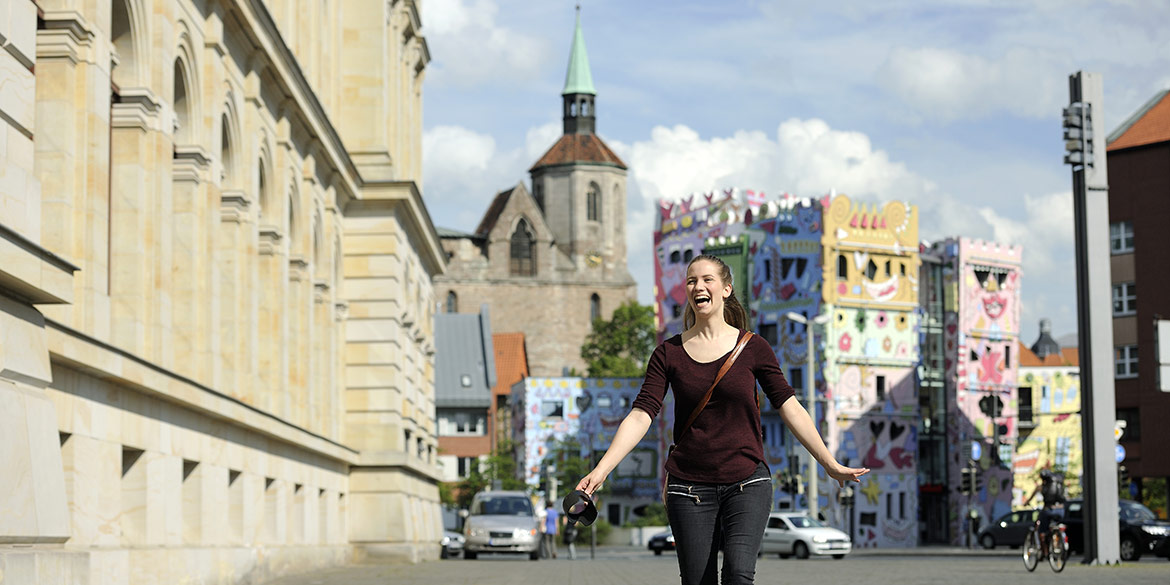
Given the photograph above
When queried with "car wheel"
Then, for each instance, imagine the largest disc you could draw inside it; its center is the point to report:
(657, 552)
(801, 550)
(1129, 549)
(534, 555)
(443, 553)
(838, 557)
(469, 555)
(782, 555)
(988, 541)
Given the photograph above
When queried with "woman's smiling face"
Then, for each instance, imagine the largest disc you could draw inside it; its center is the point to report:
(705, 288)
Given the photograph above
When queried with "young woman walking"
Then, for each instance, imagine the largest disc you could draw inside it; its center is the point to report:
(719, 489)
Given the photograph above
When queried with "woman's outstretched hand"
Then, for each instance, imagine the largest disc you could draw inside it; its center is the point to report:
(590, 483)
(846, 474)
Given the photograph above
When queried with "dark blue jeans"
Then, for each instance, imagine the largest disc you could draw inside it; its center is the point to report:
(706, 517)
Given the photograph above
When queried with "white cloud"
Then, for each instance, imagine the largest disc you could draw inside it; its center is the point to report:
(463, 169)
(470, 47)
(944, 84)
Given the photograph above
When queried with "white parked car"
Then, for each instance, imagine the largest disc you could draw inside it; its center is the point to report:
(501, 522)
(797, 534)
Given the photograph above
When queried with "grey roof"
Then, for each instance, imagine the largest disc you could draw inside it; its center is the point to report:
(463, 347)
(450, 233)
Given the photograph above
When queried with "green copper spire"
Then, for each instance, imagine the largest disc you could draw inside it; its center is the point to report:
(579, 79)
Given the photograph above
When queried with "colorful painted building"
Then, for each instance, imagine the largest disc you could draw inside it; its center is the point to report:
(870, 265)
(1049, 422)
(857, 263)
(980, 284)
(588, 411)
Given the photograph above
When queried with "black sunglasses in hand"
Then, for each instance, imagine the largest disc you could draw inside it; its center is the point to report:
(579, 507)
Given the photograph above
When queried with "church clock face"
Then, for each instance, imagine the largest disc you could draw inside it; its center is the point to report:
(593, 259)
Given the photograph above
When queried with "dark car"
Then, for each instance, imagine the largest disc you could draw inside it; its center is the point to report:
(661, 541)
(1008, 530)
(1140, 530)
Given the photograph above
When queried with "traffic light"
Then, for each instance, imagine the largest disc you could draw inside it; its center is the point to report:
(1122, 477)
(1078, 134)
(965, 482)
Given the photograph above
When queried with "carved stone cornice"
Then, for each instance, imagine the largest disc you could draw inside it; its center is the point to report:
(340, 311)
(66, 35)
(269, 240)
(233, 206)
(191, 164)
(320, 291)
(298, 268)
(138, 108)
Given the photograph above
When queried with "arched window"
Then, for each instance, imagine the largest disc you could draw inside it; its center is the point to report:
(594, 308)
(182, 108)
(523, 251)
(842, 267)
(122, 35)
(593, 202)
(318, 233)
(452, 302)
(225, 151)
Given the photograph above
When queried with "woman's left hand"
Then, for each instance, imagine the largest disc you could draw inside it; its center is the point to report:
(844, 474)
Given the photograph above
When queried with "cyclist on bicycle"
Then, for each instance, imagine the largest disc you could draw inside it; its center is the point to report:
(1051, 489)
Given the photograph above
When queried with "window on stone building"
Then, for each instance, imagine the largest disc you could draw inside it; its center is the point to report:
(1124, 299)
(842, 267)
(594, 307)
(1121, 237)
(182, 105)
(523, 251)
(688, 254)
(593, 202)
(767, 269)
(1133, 424)
(797, 378)
(880, 388)
(1125, 361)
(870, 270)
(675, 256)
(452, 302)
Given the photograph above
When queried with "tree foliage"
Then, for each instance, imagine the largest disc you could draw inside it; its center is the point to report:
(619, 347)
(499, 467)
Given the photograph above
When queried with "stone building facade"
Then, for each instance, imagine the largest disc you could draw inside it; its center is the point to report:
(550, 260)
(216, 306)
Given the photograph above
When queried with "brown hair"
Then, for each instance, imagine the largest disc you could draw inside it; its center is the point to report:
(733, 312)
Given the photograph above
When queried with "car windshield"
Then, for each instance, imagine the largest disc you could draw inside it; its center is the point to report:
(502, 506)
(1135, 512)
(804, 522)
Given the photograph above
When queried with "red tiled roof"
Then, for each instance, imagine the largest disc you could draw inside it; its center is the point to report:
(1028, 358)
(1068, 356)
(578, 148)
(493, 212)
(511, 361)
(1151, 127)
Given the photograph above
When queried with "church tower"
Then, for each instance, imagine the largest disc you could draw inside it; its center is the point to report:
(580, 184)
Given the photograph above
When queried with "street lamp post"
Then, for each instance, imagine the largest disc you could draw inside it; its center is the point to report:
(810, 399)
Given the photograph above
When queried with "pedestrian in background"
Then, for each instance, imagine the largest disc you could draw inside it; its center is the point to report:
(550, 528)
(571, 539)
(718, 491)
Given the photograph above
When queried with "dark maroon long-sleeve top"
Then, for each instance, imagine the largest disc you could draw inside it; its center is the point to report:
(724, 444)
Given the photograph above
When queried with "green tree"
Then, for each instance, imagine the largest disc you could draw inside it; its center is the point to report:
(619, 347)
(565, 455)
(499, 467)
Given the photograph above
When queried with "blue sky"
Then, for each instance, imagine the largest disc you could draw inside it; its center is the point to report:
(953, 106)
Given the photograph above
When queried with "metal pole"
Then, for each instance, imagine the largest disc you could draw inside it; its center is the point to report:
(1095, 329)
(811, 398)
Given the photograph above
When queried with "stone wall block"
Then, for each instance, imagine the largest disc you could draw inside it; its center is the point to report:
(92, 479)
(22, 36)
(34, 507)
(18, 92)
(24, 354)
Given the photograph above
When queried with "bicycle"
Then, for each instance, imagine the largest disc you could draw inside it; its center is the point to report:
(1056, 552)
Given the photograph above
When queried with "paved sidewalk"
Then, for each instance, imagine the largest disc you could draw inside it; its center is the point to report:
(638, 567)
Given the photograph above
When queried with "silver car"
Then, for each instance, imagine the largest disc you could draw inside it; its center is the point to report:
(502, 522)
(798, 534)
